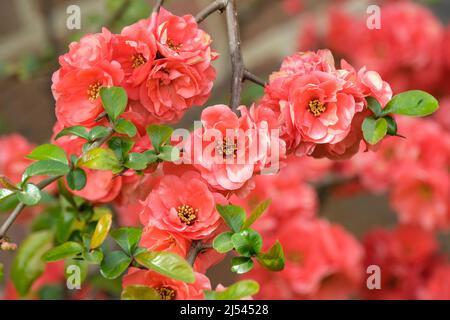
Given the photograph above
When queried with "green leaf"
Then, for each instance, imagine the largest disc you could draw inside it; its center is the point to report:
(114, 264)
(82, 264)
(139, 292)
(27, 265)
(256, 213)
(45, 168)
(374, 129)
(241, 265)
(76, 179)
(169, 153)
(66, 250)
(239, 290)
(159, 135)
(98, 133)
(114, 101)
(392, 126)
(136, 161)
(234, 216)
(151, 156)
(99, 159)
(121, 146)
(65, 224)
(374, 106)
(51, 292)
(272, 259)
(78, 131)
(222, 243)
(125, 127)
(1, 272)
(93, 256)
(5, 193)
(168, 264)
(412, 103)
(49, 152)
(247, 242)
(30, 195)
(127, 238)
(101, 231)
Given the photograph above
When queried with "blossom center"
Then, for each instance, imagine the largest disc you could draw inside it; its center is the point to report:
(138, 60)
(227, 148)
(93, 91)
(172, 45)
(166, 293)
(316, 107)
(187, 214)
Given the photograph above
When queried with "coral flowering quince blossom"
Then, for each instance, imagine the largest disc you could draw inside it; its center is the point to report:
(183, 205)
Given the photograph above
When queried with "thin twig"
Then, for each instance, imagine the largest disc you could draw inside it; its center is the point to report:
(217, 5)
(158, 6)
(42, 185)
(237, 64)
(254, 78)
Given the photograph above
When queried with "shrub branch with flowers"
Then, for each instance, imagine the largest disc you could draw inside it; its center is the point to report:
(115, 95)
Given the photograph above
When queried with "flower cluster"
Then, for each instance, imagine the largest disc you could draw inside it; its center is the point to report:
(163, 62)
(318, 107)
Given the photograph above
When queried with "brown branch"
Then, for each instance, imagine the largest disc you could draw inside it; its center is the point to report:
(197, 246)
(254, 78)
(237, 63)
(217, 5)
(42, 185)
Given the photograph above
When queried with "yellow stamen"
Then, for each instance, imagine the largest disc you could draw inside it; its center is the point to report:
(187, 214)
(316, 107)
(138, 60)
(166, 293)
(93, 91)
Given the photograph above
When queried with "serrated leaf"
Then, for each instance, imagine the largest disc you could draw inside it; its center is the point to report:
(99, 159)
(124, 126)
(27, 265)
(168, 264)
(237, 291)
(127, 238)
(272, 259)
(114, 101)
(49, 152)
(136, 161)
(78, 131)
(98, 133)
(374, 130)
(101, 231)
(169, 153)
(247, 242)
(121, 146)
(114, 264)
(241, 265)
(66, 250)
(256, 213)
(76, 179)
(234, 216)
(45, 168)
(30, 195)
(159, 135)
(222, 243)
(412, 103)
(139, 292)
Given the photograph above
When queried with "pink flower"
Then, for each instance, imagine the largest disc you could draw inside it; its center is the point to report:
(228, 150)
(168, 288)
(322, 261)
(422, 197)
(407, 54)
(172, 87)
(155, 239)
(13, 163)
(183, 205)
(404, 256)
(442, 116)
(77, 94)
(179, 38)
(438, 286)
